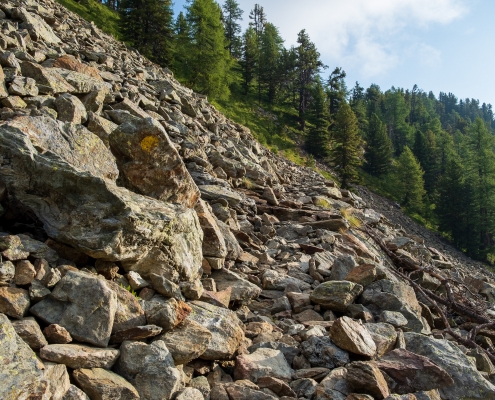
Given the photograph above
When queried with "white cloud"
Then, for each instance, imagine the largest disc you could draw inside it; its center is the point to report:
(373, 36)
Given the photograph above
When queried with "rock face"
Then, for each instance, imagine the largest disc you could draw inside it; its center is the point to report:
(82, 304)
(468, 382)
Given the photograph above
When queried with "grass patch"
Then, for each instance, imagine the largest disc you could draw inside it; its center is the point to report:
(103, 17)
(350, 217)
(320, 202)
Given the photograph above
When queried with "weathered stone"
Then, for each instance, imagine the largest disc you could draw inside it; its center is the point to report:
(384, 336)
(192, 290)
(94, 101)
(136, 333)
(225, 327)
(152, 165)
(101, 384)
(336, 295)
(7, 271)
(334, 386)
(24, 273)
(58, 380)
(70, 109)
(213, 241)
(132, 108)
(341, 267)
(468, 382)
(21, 372)
(29, 330)
(190, 393)
(12, 248)
(83, 83)
(166, 313)
(13, 102)
(77, 356)
(3, 89)
(75, 170)
(187, 341)
(38, 29)
(82, 304)
(213, 192)
(393, 318)
(322, 352)
(38, 249)
(21, 86)
(136, 281)
(234, 250)
(289, 352)
(242, 290)
(363, 275)
(71, 63)
(14, 302)
(365, 377)
(412, 372)
(129, 313)
(74, 393)
(101, 127)
(166, 287)
(352, 336)
(47, 78)
(241, 392)
(150, 368)
(56, 334)
(38, 291)
(277, 386)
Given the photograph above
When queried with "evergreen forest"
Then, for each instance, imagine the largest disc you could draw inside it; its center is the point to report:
(432, 153)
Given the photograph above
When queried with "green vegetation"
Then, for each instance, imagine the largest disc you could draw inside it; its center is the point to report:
(104, 18)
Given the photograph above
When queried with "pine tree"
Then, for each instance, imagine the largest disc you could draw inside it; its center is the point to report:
(147, 24)
(337, 90)
(378, 150)
(346, 151)
(318, 138)
(249, 59)
(396, 113)
(309, 66)
(231, 15)
(410, 181)
(181, 47)
(209, 60)
(270, 49)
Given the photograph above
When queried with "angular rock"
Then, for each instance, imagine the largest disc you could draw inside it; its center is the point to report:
(363, 275)
(165, 287)
(277, 386)
(71, 63)
(21, 86)
(38, 29)
(24, 273)
(150, 163)
(262, 363)
(242, 290)
(365, 377)
(353, 337)
(334, 386)
(166, 313)
(58, 380)
(468, 382)
(384, 336)
(83, 83)
(101, 127)
(336, 295)
(129, 313)
(70, 109)
(240, 392)
(56, 334)
(136, 281)
(14, 302)
(77, 356)
(412, 372)
(393, 318)
(12, 248)
(29, 330)
(136, 333)
(187, 341)
(101, 384)
(213, 242)
(82, 304)
(225, 327)
(7, 271)
(322, 352)
(74, 393)
(213, 192)
(50, 81)
(150, 368)
(234, 250)
(190, 393)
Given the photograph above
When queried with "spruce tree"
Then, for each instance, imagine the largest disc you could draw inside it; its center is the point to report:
(346, 151)
(378, 150)
(147, 25)
(270, 49)
(181, 47)
(231, 15)
(318, 138)
(209, 60)
(249, 59)
(410, 181)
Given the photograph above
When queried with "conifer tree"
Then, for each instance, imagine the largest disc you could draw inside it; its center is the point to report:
(231, 15)
(346, 151)
(249, 58)
(318, 138)
(209, 60)
(410, 181)
(378, 151)
(270, 49)
(147, 24)
(181, 47)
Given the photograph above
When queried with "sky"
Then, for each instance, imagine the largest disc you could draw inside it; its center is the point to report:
(440, 45)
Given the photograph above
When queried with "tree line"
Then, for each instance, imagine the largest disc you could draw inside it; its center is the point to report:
(435, 155)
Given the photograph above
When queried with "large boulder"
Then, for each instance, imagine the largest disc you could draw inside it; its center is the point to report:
(67, 176)
(225, 327)
(469, 384)
(150, 163)
(82, 304)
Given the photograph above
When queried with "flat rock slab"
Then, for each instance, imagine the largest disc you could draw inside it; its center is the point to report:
(82, 304)
(262, 363)
(101, 384)
(225, 327)
(352, 336)
(336, 295)
(213, 192)
(77, 356)
(242, 289)
(136, 333)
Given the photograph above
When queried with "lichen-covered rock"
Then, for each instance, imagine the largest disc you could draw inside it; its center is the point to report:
(213, 241)
(336, 295)
(262, 363)
(70, 109)
(29, 330)
(14, 302)
(77, 356)
(242, 289)
(101, 384)
(165, 313)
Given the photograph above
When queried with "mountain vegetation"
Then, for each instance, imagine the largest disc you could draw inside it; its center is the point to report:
(432, 154)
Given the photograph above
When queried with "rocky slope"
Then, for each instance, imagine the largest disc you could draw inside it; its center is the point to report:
(152, 249)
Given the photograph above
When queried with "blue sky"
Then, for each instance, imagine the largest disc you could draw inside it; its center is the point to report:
(440, 45)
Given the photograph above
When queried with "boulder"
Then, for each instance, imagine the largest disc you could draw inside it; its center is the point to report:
(150, 368)
(48, 80)
(353, 337)
(468, 382)
(165, 313)
(101, 384)
(38, 29)
(79, 204)
(365, 377)
(322, 352)
(56, 334)
(334, 386)
(136, 333)
(70, 109)
(242, 290)
(412, 372)
(187, 341)
(225, 327)
(58, 380)
(82, 304)
(129, 313)
(384, 336)
(21, 86)
(263, 362)
(14, 302)
(71, 63)
(213, 192)
(150, 164)
(214, 241)
(336, 295)
(78, 356)
(29, 330)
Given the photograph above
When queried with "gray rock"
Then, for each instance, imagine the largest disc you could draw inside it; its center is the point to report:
(29, 330)
(468, 382)
(14, 302)
(190, 393)
(166, 313)
(129, 313)
(263, 362)
(214, 241)
(225, 327)
(341, 267)
(58, 380)
(393, 318)
(334, 386)
(70, 109)
(150, 368)
(336, 295)
(242, 290)
(48, 80)
(384, 336)
(101, 384)
(136, 333)
(77, 356)
(322, 352)
(23, 87)
(166, 287)
(82, 304)
(38, 29)
(74, 393)
(7, 271)
(213, 192)
(289, 352)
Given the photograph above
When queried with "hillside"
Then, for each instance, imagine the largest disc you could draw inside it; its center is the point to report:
(151, 248)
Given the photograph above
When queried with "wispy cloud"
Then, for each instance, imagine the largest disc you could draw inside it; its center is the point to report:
(373, 36)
